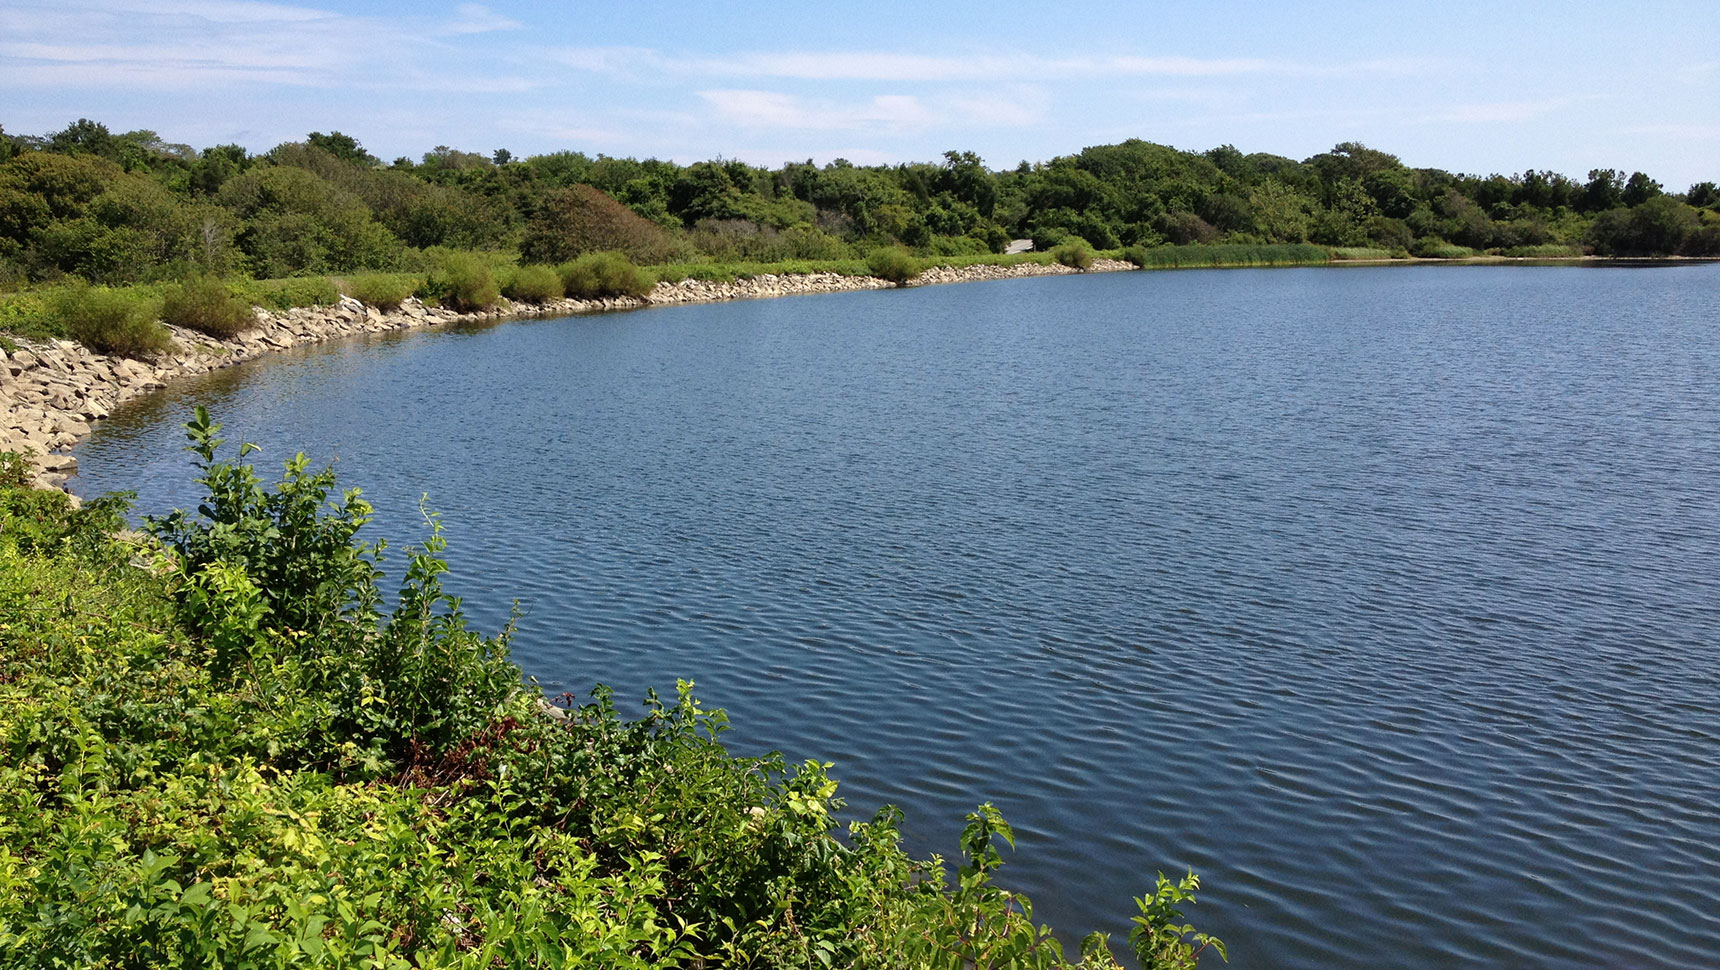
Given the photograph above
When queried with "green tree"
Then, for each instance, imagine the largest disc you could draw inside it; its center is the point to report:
(344, 147)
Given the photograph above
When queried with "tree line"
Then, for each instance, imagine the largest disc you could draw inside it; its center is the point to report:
(132, 207)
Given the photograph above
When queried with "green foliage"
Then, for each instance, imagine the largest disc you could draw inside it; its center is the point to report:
(385, 291)
(1364, 253)
(533, 284)
(464, 282)
(893, 264)
(580, 219)
(288, 293)
(1232, 254)
(119, 322)
(1075, 254)
(227, 750)
(1432, 247)
(207, 305)
(597, 276)
(1160, 939)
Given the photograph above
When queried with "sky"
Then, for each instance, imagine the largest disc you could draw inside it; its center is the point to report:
(1468, 87)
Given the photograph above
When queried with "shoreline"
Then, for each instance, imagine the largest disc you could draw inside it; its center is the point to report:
(54, 391)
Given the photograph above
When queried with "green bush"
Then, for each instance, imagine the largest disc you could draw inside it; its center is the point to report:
(1075, 254)
(285, 294)
(533, 284)
(206, 305)
(1433, 247)
(1136, 255)
(1218, 255)
(1544, 251)
(463, 282)
(597, 276)
(108, 321)
(893, 264)
(385, 291)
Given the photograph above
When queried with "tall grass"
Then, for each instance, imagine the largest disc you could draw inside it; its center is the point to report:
(385, 291)
(463, 282)
(1228, 255)
(207, 305)
(893, 263)
(597, 276)
(286, 294)
(119, 322)
(533, 284)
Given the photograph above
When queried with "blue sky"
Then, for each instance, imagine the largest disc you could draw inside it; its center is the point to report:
(1470, 87)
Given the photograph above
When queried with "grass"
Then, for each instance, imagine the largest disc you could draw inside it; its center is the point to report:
(1364, 253)
(597, 276)
(208, 306)
(118, 322)
(385, 291)
(285, 294)
(1228, 255)
(533, 284)
(1544, 251)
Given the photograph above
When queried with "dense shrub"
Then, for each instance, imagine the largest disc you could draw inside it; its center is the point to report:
(207, 305)
(597, 276)
(385, 291)
(1432, 247)
(1075, 254)
(463, 282)
(533, 284)
(288, 293)
(893, 263)
(117, 322)
(1135, 254)
(580, 219)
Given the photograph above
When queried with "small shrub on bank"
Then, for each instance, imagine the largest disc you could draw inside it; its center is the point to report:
(1432, 247)
(464, 283)
(207, 305)
(289, 293)
(597, 276)
(893, 263)
(1136, 255)
(533, 284)
(385, 291)
(1074, 254)
(111, 321)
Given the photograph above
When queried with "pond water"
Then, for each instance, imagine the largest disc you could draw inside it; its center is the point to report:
(1387, 599)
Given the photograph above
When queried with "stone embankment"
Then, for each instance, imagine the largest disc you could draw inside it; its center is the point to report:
(51, 391)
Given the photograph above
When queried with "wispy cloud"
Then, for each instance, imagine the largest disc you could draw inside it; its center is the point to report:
(752, 108)
(475, 18)
(190, 44)
(879, 65)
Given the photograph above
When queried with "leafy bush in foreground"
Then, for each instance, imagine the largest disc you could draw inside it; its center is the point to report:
(205, 304)
(227, 751)
(111, 321)
(893, 264)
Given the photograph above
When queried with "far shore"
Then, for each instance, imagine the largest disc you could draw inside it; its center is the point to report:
(56, 389)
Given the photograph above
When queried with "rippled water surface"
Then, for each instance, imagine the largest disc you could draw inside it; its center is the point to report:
(1386, 599)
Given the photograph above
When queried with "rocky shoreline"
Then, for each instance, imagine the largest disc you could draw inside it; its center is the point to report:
(52, 391)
